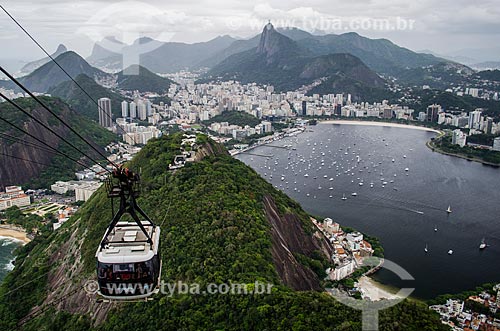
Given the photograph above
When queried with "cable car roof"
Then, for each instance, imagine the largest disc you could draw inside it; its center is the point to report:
(128, 244)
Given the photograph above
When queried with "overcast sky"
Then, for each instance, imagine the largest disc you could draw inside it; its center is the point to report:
(442, 26)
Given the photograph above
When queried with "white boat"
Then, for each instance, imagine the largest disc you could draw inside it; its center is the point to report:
(426, 249)
(448, 210)
(407, 169)
(343, 197)
(436, 229)
(393, 160)
(354, 194)
(306, 175)
(450, 252)
(404, 156)
(360, 183)
(483, 244)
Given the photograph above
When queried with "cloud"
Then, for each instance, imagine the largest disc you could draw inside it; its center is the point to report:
(56, 21)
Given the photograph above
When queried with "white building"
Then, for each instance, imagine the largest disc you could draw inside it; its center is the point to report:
(105, 114)
(133, 110)
(84, 192)
(354, 240)
(474, 119)
(124, 109)
(496, 144)
(341, 271)
(458, 138)
(13, 196)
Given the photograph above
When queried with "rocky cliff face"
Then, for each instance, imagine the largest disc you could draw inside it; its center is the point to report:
(289, 239)
(28, 160)
(15, 171)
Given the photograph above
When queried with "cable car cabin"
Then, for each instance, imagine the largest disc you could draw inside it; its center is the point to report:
(128, 267)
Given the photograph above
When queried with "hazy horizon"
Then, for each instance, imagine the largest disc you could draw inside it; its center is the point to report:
(453, 28)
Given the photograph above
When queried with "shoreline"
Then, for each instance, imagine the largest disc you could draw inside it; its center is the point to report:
(468, 158)
(375, 291)
(10, 232)
(375, 123)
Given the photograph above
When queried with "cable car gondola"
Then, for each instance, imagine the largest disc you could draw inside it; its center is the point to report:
(128, 257)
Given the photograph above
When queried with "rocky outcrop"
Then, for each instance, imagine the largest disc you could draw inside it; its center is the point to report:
(15, 170)
(288, 239)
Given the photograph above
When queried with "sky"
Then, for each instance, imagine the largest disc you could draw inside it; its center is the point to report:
(444, 27)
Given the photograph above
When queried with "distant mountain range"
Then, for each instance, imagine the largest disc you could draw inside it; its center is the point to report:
(282, 62)
(49, 76)
(165, 57)
(380, 55)
(32, 66)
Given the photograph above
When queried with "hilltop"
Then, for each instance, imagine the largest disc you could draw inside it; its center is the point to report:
(282, 62)
(221, 222)
(73, 95)
(50, 75)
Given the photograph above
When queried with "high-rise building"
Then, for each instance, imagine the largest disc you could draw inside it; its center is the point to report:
(124, 109)
(105, 114)
(432, 112)
(474, 119)
(304, 108)
(133, 110)
(441, 117)
(458, 138)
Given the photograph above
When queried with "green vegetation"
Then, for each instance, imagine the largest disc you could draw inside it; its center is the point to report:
(50, 75)
(490, 75)
(453, 102)
(479, 154)
(235, 118)
(29, 222)
(142, 80)
(214, 230)
(70, 93)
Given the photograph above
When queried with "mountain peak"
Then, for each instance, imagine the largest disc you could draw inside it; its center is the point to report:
(61, 49)
(272, 42)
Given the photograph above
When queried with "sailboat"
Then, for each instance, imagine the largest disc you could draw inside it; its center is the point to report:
(343, 197)
(426, 249)
(449, 209)
(483, 244)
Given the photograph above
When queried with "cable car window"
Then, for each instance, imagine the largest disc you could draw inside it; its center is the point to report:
(129, 267)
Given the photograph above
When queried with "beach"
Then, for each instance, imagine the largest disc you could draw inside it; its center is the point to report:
(373, 123)
(373, 290)
(8, 231)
